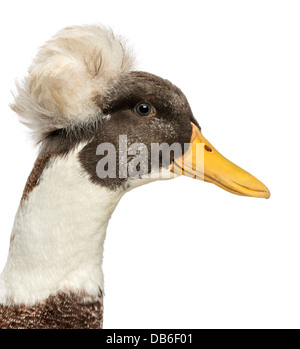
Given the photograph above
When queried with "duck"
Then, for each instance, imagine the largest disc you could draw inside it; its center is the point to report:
(102, 128)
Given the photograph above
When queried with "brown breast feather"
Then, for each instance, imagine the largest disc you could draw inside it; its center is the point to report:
(64, 310)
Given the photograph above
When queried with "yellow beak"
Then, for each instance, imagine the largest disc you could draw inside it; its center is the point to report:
(203, 161)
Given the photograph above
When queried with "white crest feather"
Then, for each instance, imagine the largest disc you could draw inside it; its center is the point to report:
(68, 71)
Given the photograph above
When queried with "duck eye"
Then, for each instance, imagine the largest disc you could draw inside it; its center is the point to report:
(144, 109)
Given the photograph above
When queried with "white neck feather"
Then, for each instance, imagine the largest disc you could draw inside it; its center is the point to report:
(58, 236)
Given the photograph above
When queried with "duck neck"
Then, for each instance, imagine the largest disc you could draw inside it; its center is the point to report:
(57, 241)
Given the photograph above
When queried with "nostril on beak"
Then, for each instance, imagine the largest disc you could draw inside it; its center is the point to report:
(207, 148)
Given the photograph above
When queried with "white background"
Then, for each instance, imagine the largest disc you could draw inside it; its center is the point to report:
(183, 253)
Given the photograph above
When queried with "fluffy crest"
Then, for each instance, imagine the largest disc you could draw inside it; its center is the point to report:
(67, 73)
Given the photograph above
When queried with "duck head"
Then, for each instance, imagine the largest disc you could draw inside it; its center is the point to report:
(162, 137)
(136, 125)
